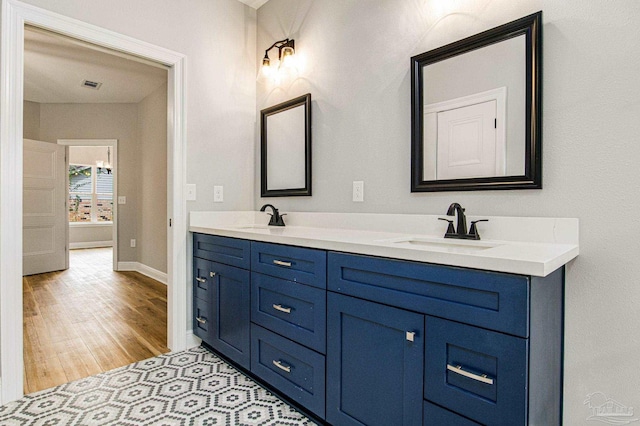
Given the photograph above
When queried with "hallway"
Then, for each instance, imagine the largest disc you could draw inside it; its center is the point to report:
(89, 319)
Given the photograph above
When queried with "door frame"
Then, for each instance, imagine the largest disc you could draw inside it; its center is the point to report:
(113, 143)
(15, 15)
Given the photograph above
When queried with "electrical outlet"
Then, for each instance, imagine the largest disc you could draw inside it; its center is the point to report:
(358, 191)
(218, 194)
(133, 242)
(191, 192)
(122, 199)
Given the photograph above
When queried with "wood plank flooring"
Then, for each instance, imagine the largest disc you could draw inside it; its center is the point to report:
(89, 319)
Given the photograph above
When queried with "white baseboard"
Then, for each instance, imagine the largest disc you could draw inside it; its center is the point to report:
(192, 340)
(144, 270)
(90, 244)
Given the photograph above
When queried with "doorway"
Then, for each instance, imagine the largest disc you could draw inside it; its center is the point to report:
(92, 207)
(15, 16)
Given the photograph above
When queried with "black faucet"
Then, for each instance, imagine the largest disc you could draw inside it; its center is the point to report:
(461, 229)
(460, 232)
(276, 217)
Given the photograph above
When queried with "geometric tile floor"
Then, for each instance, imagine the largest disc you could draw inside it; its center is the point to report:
(192, 387)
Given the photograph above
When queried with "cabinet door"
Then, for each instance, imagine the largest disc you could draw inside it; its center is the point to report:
(230, 313)
(374, 363)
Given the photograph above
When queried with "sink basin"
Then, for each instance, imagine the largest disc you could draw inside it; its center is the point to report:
(249, 227)
(260, 229)
(443, 245)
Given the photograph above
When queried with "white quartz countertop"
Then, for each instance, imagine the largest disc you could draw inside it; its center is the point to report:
(527, 246)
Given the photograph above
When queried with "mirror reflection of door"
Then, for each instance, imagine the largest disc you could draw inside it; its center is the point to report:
(466, 138)
(44, 216)
(467, 142)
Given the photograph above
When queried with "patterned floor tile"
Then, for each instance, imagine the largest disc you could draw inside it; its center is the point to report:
(187, 388)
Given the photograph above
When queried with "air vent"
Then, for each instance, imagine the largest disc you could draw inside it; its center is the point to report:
(91, 84)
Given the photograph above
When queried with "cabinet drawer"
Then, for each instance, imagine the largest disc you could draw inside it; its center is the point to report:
(230, 251)
(438, 416)
(202, 319)
(293, 310)
(487, 299)
(307, 266)
(294, 370)
(478, 373)
(202, 279)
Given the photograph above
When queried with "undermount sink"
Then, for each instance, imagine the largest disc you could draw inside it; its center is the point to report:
(441, 244)
(252, 227)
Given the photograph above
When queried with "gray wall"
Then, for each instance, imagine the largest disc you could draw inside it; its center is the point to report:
(103, 121)
(31, 120)
(355, 62)
(152, 180)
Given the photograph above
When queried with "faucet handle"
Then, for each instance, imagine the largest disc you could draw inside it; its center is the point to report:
(281, 220)
(450, 228)
(473, 232)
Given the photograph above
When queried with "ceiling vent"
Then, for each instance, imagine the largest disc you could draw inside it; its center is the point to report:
(91, 84)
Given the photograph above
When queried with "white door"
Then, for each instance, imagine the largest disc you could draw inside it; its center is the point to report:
(44, 208)
(467, 143)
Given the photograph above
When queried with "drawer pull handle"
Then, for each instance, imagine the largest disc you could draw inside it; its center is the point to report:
(481, 378)
(201, 280)
(282, 263)
(410, 336)
(282, 309)
(212, 274)
(281, 366)
(201, 321)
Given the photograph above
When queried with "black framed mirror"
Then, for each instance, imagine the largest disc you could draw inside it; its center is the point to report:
(286, 148)
(476, 109)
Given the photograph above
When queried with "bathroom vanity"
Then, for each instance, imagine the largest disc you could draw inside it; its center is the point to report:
(376, 320)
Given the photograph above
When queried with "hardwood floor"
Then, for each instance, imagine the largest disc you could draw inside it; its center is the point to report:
(89, 319)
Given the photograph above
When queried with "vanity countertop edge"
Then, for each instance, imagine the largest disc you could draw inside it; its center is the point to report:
(525, 246)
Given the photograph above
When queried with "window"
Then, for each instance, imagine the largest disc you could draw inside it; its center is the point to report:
(90, 194)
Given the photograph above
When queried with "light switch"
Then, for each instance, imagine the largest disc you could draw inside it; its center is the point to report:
(191, 192)
(122, 199)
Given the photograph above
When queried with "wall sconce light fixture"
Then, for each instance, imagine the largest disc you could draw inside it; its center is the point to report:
(286, 54)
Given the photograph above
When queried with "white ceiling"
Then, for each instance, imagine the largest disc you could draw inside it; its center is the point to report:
(55, 67)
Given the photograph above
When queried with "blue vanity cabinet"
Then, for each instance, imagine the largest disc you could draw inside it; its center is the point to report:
(375, 356)
(222, 295)
(360, 340)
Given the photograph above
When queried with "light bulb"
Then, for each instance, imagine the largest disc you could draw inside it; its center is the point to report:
(288, 58)
(266, 70)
